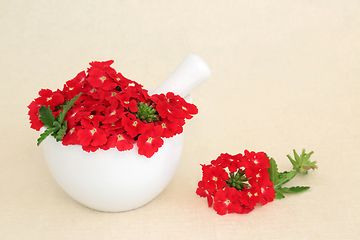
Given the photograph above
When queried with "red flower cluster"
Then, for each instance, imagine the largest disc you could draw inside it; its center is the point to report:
(236, 183)
(113, 111)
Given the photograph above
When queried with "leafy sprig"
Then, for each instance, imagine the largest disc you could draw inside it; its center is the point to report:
(301, 164)
(56, 127)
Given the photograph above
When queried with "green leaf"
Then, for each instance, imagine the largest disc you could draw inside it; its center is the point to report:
(293, 162)
(56, 127)
(302, 164)
(45, 134)
(279, 195)
(46, 116)
(67, 107)
(297, 157)
(292, 189)
(273, 171)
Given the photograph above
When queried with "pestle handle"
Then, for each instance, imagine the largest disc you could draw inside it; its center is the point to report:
(191, 72)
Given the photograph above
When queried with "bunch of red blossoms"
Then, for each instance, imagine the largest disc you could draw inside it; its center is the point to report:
(112, 111)
(236, 183)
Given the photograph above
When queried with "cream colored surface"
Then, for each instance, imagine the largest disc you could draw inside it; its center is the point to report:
(285, 75)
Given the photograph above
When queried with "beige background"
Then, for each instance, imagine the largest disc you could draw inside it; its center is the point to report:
(285, 75)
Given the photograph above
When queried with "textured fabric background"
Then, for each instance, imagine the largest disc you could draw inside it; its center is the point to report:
(285, 75)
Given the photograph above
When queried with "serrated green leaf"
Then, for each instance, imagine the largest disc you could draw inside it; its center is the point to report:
(292, 189)
(46, 133)
(46, 116)
(56, 127)
(279, 195)
(273, 171)
(67, 107)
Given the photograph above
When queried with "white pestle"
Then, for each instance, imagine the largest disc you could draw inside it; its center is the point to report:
(191, 72)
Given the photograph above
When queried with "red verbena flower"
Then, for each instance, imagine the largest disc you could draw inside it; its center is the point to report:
(91, 135)
(188, 110)
(233, 162)
(260, 160)
(50, 98)
(203, 192)
(134, 126)
(74, 86)
(71, 137)
(237, 183)
(107, 113)
(113, 113)
(121, 140)
(214, 178)
(169, 128)
(126, 101)
(150, 141)
(35, 122)
(101, 79)
(227, 201)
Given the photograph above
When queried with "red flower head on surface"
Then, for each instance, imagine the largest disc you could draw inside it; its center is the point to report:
(247, 180)
(235, 183)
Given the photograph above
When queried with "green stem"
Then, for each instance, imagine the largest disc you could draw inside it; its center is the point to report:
(285, 177)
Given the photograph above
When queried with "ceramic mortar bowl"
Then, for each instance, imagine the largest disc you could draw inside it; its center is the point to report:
(114, 181)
